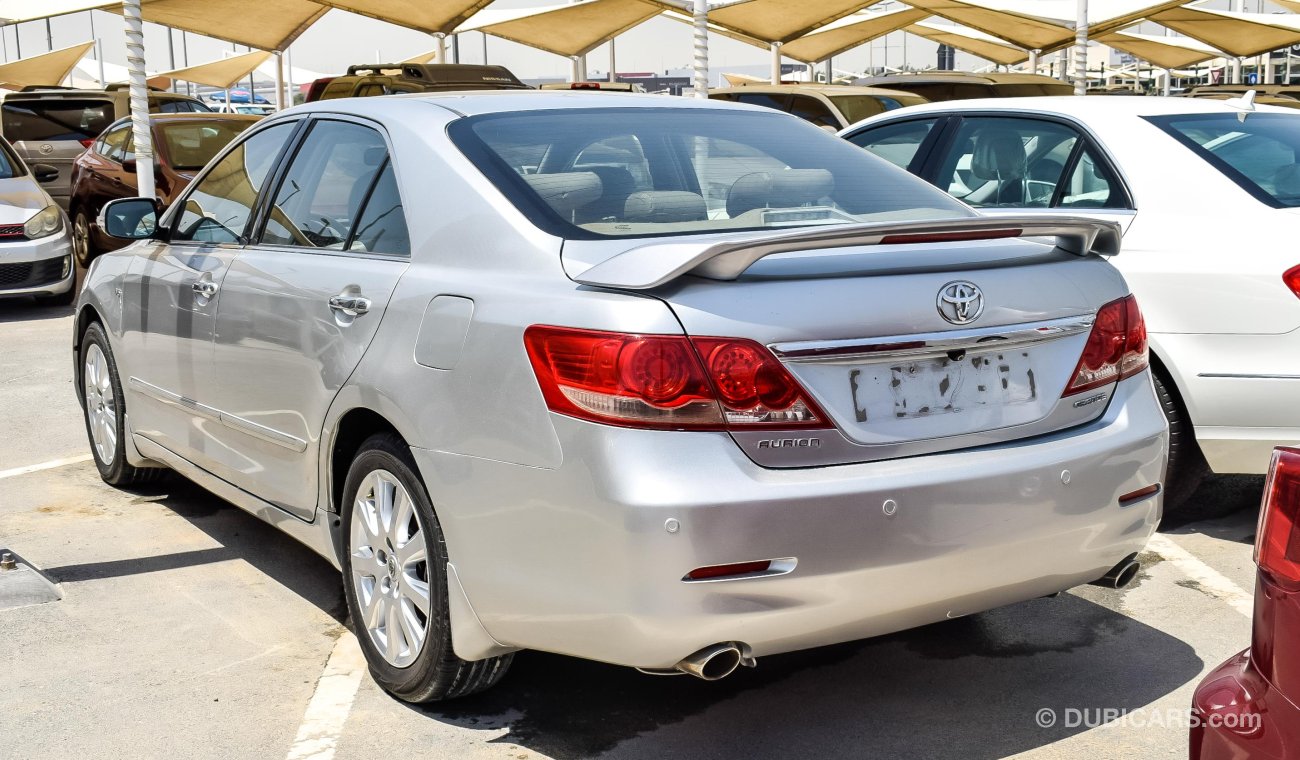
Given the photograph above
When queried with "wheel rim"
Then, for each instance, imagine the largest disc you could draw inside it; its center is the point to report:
(101, 406)
(81, 239)
(390, 568)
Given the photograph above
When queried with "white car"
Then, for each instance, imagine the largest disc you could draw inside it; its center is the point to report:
(1208, 193)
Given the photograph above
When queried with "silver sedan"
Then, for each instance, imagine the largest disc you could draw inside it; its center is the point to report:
(665, 383)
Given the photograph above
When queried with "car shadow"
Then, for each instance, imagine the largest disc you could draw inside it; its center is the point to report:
(30, 310)
(1224, 506)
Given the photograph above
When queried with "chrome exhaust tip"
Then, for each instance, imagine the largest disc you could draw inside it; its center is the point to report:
(716, 662)
(1120, 575)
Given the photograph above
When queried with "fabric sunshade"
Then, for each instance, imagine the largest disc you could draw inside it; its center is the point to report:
(1043, 25)
(1165, 52)
(221, 74)
(848, 33)
(566, 30)
(432, 16)
(781, 20)
(1238, 34)
(971, 41)
(45, 69)
(264, 24)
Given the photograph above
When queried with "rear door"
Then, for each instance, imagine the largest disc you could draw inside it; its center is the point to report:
(300, 306)
(54, 131)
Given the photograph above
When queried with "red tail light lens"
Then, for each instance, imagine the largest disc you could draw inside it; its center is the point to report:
(665, 381)
(87, 142)
(1292, 279)
(1116, 347)
(1277, 546)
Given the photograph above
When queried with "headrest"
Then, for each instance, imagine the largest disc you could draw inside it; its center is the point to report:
(779, 189)
(998, 156)
(1287, 181)
(664, 206)
(565, 191)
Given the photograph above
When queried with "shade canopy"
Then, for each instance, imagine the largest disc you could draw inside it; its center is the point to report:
(221, 74)
(1238, 34)
(971, 41)
(781, 20)
(1043, 25)
(45, 69)
(264, 24)
(1165, 52)
(432, 16)
(568, 30)
(849, 32)
(428, 56)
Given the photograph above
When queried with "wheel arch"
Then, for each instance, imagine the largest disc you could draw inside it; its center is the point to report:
(85, 316)
(1172, 379)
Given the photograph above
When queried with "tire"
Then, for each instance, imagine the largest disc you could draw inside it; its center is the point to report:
(1187, 467)
(104, 410)
(83, 244)
(384, 581)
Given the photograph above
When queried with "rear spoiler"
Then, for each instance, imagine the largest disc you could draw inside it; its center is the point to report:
(652, 265)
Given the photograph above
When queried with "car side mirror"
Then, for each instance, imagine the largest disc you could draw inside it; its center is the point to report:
(130, 218)
(44, 173)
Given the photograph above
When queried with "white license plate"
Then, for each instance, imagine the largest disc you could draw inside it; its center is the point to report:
(944, 385)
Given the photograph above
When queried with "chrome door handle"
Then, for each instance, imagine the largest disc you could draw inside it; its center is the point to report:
(204, 288)
(352, 306)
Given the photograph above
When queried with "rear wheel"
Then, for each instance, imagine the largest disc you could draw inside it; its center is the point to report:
(1187, 467)
(82, 247)
(395, 580)
(105, 412)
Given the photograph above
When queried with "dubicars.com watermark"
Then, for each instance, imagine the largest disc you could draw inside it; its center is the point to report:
(1142, 717)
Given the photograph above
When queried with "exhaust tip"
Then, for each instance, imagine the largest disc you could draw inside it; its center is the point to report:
(1120, 575)
(715, 662)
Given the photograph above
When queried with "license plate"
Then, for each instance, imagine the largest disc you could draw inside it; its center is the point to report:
(943, 385)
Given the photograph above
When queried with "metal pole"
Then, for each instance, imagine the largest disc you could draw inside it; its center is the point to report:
(700, 15)
(485, 57)
(1169, 85)
(1081, 48)
(99, 49)
(279, 81)
(830, 72)
(185, 56)
(139, 98)
(171, 56)
(441, 47)
(776, 63)
(613, 77)
(288, 65)
(455, 48)
(574, 76)
(18, 42)
(49, 36)
(1033, 61)
(4, 42)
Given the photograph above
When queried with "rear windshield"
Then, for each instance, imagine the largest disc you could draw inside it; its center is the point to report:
(1260, 152)
(52, 120)
(858, 107)
(636, 172)
(191, 145)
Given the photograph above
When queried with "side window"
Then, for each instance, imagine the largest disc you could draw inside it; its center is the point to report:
(113, 144)
(381, 227)
(813, 110)
(128, 148)
(320, 197)
(1007, 162)
(897, 143)
(1090, 185)
(219, 207)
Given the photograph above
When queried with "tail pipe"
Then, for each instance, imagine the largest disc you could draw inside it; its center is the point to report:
(717, 661)
(1120, 575)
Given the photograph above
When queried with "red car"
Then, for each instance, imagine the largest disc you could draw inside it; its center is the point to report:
(183, 144)
(1247, 708)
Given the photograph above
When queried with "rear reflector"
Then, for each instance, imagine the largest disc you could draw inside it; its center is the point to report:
(1141, 493)
(1277, 547)
(722, 571)
(1116, 347)
(948, 237)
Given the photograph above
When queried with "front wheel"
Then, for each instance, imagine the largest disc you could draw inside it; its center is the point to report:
(395, 580)
(105, 412)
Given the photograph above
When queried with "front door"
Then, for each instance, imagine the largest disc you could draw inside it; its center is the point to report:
(299, 308)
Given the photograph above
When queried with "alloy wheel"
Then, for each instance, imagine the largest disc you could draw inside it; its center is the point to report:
(101, 406)
(81, 239)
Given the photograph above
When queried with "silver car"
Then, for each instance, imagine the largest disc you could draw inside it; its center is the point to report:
(35, 249)
(666, 383)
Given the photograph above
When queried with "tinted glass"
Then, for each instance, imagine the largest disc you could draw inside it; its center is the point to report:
(855, 108)
(113, 144)
(381, 228)
(1260, 152)
(51, 120)
(218, 209)
(1003, 162)
(774, 100)
(191, 145)
(814, 111)
(321, 194)
(10, 166)
(896, 143)
(708, 170)
(1090, 185)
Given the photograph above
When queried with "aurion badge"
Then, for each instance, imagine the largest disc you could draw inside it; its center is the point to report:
(961, 302)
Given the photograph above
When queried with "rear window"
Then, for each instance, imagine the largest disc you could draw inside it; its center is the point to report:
(191, 145)
(639, 172)
(1258, 151)
(52, 120)
(858, 107)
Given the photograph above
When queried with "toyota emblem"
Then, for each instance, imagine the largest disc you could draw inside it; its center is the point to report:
(961, 302)
(46, 149)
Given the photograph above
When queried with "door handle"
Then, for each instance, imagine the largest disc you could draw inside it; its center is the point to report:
(204, 288)
(353, 306)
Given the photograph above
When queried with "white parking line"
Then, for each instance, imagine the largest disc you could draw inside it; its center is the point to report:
(328, 709)
(50, 465)
(1211, 581)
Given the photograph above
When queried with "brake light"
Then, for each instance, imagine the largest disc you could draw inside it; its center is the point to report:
(1116, 347)
(1292, 279)
(87, 142)
(1277, 548)
(666, 382)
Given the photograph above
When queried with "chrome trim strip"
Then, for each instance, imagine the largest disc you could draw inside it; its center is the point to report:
(1248, 377)
(890, 348)
(234, 422)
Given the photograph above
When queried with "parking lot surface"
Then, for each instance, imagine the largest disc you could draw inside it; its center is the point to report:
(188, 628)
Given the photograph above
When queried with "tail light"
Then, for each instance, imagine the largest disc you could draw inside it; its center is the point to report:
(1277, 547)
(1116, 348)
(1292, 279)
(667, 382)
(86, 142)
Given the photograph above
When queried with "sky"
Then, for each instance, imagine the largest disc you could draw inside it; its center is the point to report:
(340, 39)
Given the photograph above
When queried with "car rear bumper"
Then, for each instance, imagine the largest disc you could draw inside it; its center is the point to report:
(1236, 713)
(37, 267)
(588, 559)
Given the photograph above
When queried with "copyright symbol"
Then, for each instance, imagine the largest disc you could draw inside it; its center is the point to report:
(1046, 717)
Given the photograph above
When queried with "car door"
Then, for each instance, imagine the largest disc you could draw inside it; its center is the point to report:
(173, 288)
(301, 304)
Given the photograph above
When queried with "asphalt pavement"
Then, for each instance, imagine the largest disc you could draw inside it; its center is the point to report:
(188, 628)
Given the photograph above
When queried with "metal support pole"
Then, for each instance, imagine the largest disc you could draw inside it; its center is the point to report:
(279, 81)
(455, 48)
(485, 57)
(49, 36)
(575, 62)
(1081, 48)
(776, 63)
(99, 49)
(613, 77)
(1169, 85)
(288, 79)
(139, 98)
(441, 47)
(1033, 61)
(700, 65)
(830, 72)
(171, 56)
